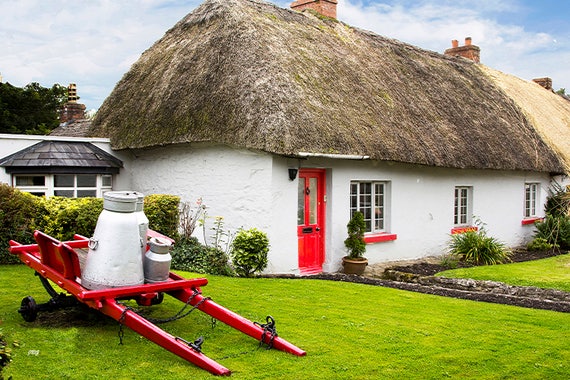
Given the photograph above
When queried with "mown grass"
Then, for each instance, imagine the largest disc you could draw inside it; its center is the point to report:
(549, 273)
(350, 331)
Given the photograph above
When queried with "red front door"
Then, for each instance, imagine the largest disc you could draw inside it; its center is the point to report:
(311, 220)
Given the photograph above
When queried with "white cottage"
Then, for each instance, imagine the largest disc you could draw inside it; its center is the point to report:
(290, 121)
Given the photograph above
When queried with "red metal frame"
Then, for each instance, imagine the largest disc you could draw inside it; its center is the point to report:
(57, 261)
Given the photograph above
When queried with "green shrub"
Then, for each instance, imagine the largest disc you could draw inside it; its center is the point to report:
(555, 230)
(62, 217)
(249, 251)
(478, 248)
(540, 244)
(163, 213)
(355, 241)
(18, 211)
(191, 256)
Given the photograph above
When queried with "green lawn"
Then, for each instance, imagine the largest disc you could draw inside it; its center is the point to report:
(550, 273)
(350, 331)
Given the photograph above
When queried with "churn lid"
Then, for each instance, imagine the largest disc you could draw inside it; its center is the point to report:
(120, 201)
(158, 245)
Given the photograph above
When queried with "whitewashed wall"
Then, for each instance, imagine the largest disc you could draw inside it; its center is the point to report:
(421, 206)
(251, 189)
(233, 184)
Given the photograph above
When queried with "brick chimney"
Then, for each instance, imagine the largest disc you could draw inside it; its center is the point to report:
(325, 7)
(468, 51)
(71, 110)
(544, 82)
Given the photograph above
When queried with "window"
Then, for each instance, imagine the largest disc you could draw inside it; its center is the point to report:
(65, 185)
(530, 199)
(463, 205)
(370, 199)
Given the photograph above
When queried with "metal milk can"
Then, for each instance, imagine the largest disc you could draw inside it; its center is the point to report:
(157, 260)
(142, 221)
(114, 258)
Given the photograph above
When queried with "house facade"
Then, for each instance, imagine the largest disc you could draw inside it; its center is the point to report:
(411, 210)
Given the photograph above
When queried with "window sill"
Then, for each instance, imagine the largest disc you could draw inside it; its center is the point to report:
(379, 238)
(527, 221)
(460, 230)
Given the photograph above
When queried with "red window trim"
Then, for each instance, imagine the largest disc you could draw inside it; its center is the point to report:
(527, 221)
(460, 230)
(378, 238)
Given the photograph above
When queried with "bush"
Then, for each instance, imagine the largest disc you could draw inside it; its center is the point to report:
(355, 240)
(163, 213)
(62, 217)
(540, 244)
(191, 256)
(555, 230)
(18, 211)
(478, 248)
(249, 251)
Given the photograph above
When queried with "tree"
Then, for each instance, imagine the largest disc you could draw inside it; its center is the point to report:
(32, 109)
(561, 91)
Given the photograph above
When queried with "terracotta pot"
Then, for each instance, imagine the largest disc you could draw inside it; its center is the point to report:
(354, 266)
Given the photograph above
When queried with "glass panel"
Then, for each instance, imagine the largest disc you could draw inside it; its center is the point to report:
(107, 181)
(313, 193)
(464, 206)
(30, 180)
(89, 180)
(379, 207)
(301, 202)
(86, 193)
(365, 206)
(38, 193)
(64, 180)
(63, 193)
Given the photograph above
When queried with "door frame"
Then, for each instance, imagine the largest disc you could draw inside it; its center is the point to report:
(321, 217)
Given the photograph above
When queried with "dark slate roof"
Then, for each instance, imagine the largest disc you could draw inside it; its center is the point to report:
(61, 156)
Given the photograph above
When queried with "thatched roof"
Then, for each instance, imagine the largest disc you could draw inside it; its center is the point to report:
(253, 75)
(548, 112)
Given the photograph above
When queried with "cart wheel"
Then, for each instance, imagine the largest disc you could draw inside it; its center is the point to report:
(28, 309)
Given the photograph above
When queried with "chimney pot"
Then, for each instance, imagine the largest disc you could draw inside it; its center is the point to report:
(325, 7)
(454, 43)
(467, 41)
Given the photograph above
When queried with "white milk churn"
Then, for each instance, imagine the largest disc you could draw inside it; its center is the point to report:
(142, 220)
(114, 258)
(157, 260)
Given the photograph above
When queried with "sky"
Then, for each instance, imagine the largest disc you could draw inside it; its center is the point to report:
(93, 43)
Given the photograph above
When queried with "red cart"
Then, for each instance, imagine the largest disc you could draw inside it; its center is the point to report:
(59, 262)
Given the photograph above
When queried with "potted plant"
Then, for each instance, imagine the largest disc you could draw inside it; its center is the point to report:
(354, 263)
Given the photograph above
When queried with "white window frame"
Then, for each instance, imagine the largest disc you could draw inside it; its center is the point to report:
(463, 206)
(104, 183)
(531, 199)
(374, 204)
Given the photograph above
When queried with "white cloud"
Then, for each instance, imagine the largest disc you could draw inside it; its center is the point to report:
(431, 24)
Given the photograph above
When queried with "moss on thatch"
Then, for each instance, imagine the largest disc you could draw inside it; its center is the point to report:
(252, 75)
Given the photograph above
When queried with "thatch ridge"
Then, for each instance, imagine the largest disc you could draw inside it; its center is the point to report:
(253, 75)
